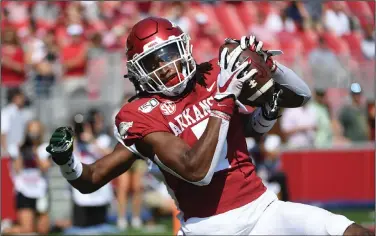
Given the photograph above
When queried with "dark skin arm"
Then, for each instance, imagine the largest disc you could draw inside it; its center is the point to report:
(99, 173)
(191, 163)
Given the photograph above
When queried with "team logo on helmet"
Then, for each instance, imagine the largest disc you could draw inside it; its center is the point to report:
(168, 108)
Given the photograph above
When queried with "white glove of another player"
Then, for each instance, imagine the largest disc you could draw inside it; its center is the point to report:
(228, 83)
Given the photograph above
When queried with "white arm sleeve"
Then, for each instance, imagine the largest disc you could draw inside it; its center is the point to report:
(289, 79)
(220, 152)
(259, 123)
(5, 121)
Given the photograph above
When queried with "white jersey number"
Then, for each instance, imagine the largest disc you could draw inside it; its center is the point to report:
(198, 130)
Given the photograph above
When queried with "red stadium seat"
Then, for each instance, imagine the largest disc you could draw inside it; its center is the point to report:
(204, 50)
(247, 12)
(263, 6)
(353, 41)
(371, 5)
(359, 8)
(291, 45)
(229, 20)
(209, 11)
(309, 39)
(337, 44)
(362, 10)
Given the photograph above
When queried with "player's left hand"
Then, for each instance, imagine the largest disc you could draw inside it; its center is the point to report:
(253, 44)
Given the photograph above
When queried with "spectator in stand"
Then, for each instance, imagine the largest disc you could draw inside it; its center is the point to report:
(30, 183)
(259, 28)
(90, 10)
(371, 119)
(18, 15)
(353, 116)
(96, 121)
(297, 12)
(157, 198)
(314, 9)
(73, 15)
(278, 22)
(207, 31)
(46, 13)
(176, 12)
(12, 59)
(338, 140)
(299, 126)
(41, 70)
(336, 19)
(96, 67)
(268, 165)
(131, 181)
(326, 67)
(52, 58)
(368, 42)
(90, 211)
(324, 132)
(288, 24)
(74, 61)
(13, 123)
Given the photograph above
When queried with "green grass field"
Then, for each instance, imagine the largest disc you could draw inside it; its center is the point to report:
(365, 217)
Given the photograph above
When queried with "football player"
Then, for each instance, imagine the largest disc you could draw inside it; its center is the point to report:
(185, 120)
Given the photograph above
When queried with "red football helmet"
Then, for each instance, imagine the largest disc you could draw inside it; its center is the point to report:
(159, 56)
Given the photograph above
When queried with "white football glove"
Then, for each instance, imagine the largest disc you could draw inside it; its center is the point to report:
(228, 83)
(253, 44)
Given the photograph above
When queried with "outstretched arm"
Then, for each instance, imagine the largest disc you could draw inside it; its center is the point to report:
(83, 177)
(99, 173)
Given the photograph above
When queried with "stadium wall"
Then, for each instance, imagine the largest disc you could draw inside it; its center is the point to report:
(331, 178)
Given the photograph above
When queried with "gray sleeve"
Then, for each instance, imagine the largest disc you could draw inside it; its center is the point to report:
(290, 80)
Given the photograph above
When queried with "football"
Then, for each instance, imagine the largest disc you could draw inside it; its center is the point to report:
(260, 88)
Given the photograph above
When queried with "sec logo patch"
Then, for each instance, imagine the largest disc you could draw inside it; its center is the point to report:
(168, 108)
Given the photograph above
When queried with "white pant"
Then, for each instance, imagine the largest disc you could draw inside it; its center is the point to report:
(269, 216)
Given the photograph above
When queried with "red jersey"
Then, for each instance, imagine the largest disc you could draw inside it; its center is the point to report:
(10, 77)
(234, 183)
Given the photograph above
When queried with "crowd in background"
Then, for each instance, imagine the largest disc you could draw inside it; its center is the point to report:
(56, 44)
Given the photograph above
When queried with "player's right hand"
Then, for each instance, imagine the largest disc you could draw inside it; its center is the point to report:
(230, 83)
(255, 45)
(61, 145)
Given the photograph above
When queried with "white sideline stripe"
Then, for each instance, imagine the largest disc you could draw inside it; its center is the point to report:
(262, 90)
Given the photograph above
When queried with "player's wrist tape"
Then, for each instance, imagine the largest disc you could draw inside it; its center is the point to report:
(220, 115)
(259, 123)
(72, 169)
(226, 105)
